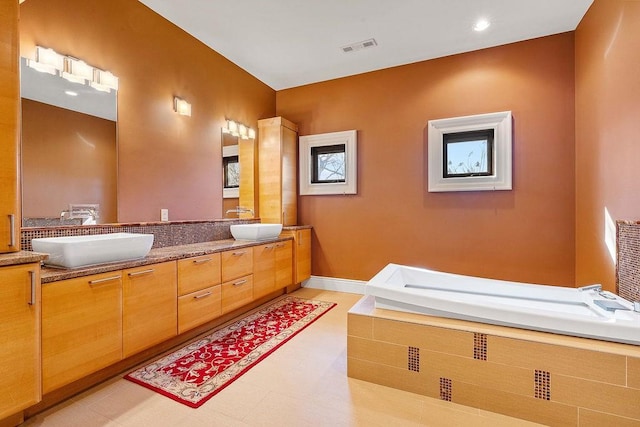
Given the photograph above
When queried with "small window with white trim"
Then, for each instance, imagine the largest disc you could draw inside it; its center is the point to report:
(328, 163)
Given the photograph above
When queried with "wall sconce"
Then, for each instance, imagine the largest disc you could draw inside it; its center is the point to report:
(239, 130)
(72, 69)
(181, 106)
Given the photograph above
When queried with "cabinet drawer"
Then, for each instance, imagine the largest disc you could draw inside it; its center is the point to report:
(199, 307)
(236, 263)
(198, 273)
(237, 293)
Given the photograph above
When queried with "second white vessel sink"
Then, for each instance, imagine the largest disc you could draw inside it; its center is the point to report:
(79, 251)
(255, 231)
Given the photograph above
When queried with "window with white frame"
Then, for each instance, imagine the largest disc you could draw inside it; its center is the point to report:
(328, 163)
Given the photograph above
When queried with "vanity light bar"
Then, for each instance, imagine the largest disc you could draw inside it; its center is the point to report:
(239, 130)
(72, 69)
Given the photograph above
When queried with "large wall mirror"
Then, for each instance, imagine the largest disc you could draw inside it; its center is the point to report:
(69, 151)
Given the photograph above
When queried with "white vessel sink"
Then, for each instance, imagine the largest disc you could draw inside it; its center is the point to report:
(255, 231)
(78, 251)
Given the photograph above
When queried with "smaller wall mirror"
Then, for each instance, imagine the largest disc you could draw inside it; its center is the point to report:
(239, 177)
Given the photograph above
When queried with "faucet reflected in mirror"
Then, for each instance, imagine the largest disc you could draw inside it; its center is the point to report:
(87, 213)
(241, 210)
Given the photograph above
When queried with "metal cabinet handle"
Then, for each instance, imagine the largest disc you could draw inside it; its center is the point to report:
(204, 295)
(12, 228)
(140, 273)
(240, 282)
(106, 279)
(32, 300)
(202, 261)
(238, 253)
(268, 247)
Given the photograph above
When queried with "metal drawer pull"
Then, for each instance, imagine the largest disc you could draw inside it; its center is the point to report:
(140, 273)
(32, 301)
(268, 247)
(12, 227)
(240, 282)
(206, 294)
(106, 279)
(238, 253)
(202, 261)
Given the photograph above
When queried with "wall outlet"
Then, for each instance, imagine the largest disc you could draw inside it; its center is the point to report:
(164, 214)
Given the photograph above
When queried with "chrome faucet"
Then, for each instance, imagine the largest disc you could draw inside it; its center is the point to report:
(240, 210)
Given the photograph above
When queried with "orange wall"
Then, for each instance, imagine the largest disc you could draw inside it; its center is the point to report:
(164, 160)
(607, 129)
(65, 153)
(525, 235)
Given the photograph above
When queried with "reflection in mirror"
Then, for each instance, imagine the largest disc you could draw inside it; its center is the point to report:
(69, 154)
(239, 176)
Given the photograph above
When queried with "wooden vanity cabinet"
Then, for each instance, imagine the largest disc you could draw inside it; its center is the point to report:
(10, 217)
(199, 291)
(149, 310)
(20, 332)
(272, 267)
(277, 171)
(237, 278)
(81, 327)
(301, 253)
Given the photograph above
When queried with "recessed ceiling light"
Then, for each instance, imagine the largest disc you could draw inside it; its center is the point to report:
(71, 93)
(481, 25)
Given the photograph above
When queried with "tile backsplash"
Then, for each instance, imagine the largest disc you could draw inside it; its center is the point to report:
(165, 233)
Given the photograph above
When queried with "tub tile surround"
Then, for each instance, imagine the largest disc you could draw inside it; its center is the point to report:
(535, 376)
(628, 265)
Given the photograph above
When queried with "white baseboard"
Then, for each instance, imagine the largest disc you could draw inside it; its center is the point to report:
(335, 284)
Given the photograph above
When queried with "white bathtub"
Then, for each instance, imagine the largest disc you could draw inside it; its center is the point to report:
(568, 311)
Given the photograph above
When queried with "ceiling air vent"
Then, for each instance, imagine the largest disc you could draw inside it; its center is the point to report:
(359, 46)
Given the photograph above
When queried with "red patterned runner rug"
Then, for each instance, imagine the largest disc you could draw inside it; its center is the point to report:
(196, 372)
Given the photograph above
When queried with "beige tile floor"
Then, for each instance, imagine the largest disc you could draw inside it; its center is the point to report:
(303, 383)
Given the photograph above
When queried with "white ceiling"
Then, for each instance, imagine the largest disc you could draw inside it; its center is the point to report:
(288, 43)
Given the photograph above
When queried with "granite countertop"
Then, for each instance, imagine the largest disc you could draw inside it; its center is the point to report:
(155, 256)
(21, 257)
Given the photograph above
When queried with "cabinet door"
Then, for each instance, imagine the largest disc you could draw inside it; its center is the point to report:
(81, 327)
(198, 273)
(9, 129)
(150, 312)
(236, 263)
(284, 264)
(302, 255)
(20, 334)
(264, 262)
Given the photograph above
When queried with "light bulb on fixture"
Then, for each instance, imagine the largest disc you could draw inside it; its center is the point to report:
(47, 61)
(77, 71)
(252, 133)
(104, 81)
(233, 128)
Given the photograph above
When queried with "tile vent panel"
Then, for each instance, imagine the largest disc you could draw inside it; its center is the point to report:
(445, 389)
(542, 381)
(413, 359)
(479, 346)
